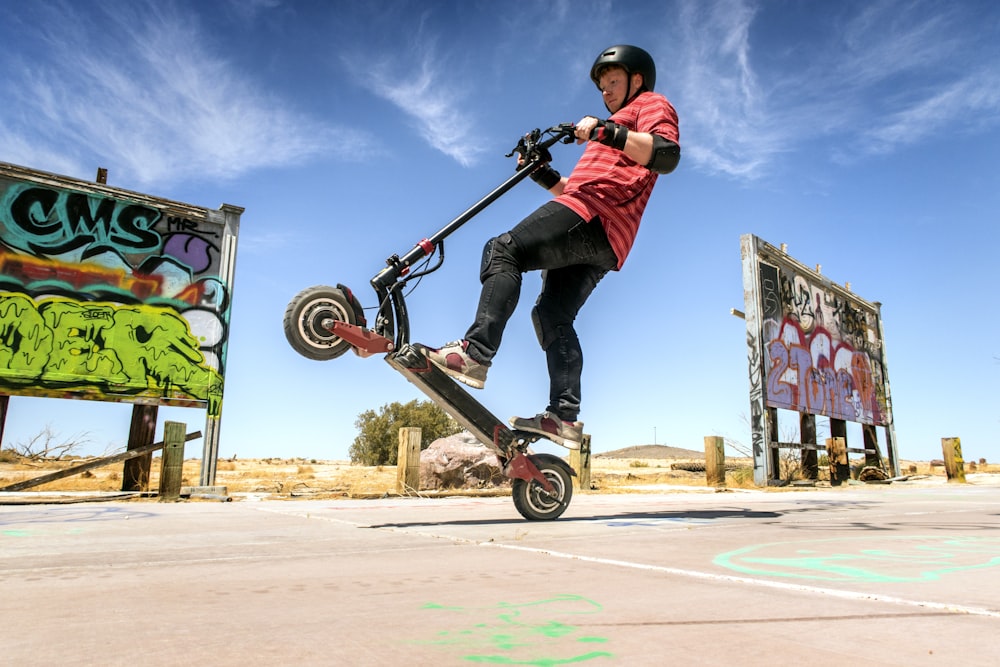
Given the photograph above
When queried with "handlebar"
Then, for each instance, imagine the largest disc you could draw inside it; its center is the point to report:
(532, 147)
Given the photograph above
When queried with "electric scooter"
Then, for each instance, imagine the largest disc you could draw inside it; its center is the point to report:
(322, 323)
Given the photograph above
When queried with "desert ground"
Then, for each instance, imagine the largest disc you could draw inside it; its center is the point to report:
(630, 470)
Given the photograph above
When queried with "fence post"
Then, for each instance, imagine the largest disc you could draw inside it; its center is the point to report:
(715, 461)
(408, 461)
(807, 436)
(836, 451)
(579, 461)
(172, 460)
(142, 431)
(954, 466)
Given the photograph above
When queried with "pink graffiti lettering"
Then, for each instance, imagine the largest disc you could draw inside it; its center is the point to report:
(816, 374)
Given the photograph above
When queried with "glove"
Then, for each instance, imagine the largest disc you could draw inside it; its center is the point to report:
(545, 176)
(610, 133)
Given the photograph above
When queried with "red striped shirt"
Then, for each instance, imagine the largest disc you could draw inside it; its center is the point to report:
(608, 184)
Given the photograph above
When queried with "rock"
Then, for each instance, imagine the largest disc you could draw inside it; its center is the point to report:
(460, 462)
(872, 474)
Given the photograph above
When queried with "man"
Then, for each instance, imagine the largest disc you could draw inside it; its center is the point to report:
(575, 239)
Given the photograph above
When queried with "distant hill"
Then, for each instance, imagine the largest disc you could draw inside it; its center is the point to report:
(652, 452)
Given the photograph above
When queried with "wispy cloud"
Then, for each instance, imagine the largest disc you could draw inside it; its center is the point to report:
(155, 104)
(425, 87)
(886, 76)
(726, 126)
(975, 99)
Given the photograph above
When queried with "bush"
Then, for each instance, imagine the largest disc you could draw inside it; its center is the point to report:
(378, 433)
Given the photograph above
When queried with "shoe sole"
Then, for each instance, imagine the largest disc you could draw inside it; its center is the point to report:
(559, 440)
(464, 379)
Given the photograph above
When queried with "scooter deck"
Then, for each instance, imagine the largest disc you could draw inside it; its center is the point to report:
(451, 397)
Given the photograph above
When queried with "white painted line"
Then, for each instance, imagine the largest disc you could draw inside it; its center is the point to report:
(764, 583)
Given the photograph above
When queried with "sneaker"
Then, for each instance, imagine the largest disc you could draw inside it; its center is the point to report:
(456, 362)
(567, 434)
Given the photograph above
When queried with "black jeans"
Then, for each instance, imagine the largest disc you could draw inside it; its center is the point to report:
(573, 255)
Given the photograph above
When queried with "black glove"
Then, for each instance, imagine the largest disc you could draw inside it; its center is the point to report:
(545, 176)
(610, 133)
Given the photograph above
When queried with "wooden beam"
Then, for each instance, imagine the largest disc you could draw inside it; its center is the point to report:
(135, 472)
(810, 456)
(89, 465)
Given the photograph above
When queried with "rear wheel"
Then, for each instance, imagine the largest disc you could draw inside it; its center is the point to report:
(309, 322)
(534, 502)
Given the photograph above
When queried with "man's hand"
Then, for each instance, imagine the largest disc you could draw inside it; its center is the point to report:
(585, 128)
(636, 145)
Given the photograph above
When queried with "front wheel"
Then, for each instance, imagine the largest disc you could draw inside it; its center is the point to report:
(534, 502)
(309, 321)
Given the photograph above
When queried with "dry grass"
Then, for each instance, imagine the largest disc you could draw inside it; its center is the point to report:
(294, 478)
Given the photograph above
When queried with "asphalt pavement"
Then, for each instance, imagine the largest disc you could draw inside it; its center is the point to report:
(899, 574)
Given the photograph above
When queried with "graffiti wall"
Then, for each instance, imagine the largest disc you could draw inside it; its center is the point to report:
(822, 345)
(813, 346)
(112, 295)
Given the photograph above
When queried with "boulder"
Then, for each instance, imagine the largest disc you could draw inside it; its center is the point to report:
(460, 461)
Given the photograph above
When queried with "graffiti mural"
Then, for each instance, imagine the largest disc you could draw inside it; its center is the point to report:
(112, 295)
(814, 348)
(823, 351)
(821, 346)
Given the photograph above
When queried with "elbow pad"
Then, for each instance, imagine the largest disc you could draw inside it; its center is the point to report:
(666, 155)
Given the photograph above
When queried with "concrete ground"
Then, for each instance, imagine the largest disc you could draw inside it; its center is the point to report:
(901, 574)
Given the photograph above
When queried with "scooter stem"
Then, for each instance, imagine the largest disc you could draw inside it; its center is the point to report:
(398, 266)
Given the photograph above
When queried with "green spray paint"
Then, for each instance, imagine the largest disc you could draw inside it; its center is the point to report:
(516, 633)
(906, 559)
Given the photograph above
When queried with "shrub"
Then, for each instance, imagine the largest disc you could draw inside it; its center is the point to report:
(377, 442)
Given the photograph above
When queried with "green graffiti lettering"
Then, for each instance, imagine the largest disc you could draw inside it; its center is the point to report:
(25, 340)
(143, 350)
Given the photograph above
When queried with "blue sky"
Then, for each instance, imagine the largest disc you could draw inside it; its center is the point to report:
(864, 135)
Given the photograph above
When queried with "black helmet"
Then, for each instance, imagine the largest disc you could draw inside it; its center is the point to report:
(631, 58)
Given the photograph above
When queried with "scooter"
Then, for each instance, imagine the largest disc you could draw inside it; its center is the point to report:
(322, 323)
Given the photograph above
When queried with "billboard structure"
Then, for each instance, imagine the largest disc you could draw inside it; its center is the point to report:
(814, 348)
(112, 295)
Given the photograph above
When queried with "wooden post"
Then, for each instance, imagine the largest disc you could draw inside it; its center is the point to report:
(873, 457)
(954, 466)
(773, 454)
(4, 406)
(807, 436)
(579, 461)
(408, 461)
(172, 460)
(715, 461)
(836, 451)
(135, 473)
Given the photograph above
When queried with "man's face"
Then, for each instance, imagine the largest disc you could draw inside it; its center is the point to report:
(613, 83)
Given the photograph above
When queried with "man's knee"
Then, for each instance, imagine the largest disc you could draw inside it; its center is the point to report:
(548, 325)
(499, 256)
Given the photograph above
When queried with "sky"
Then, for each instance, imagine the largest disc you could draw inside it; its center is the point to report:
(862, 134)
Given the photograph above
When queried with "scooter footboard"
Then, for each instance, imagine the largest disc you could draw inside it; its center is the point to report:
(453, 399)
